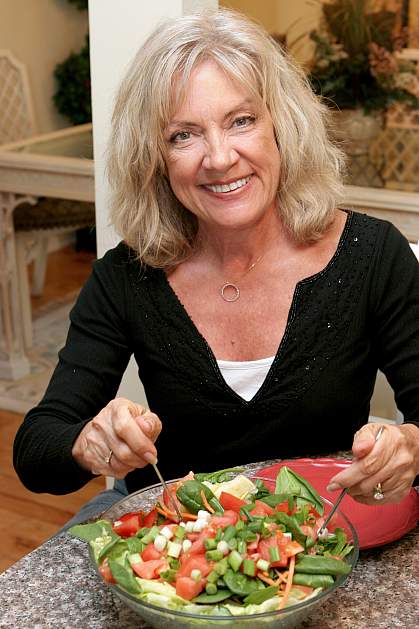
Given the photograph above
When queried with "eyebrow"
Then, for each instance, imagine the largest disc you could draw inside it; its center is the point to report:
(186, 123)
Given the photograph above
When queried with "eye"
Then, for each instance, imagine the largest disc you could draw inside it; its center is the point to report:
(243, 121)
(180, 136)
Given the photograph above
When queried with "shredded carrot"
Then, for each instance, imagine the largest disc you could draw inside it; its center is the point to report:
(289, 583)
(281, 576)
(206, 503)
(173, 516)
(266, 579)
(165, 513)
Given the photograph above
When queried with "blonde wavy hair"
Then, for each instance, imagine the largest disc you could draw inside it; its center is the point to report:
(144, 209)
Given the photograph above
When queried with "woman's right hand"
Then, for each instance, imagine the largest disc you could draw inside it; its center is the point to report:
(118, 440)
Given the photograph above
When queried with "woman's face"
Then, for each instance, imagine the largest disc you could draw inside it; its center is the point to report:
(221, 155)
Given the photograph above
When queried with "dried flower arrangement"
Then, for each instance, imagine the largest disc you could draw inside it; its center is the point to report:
(357, 60)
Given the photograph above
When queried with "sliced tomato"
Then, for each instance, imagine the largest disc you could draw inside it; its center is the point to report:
(198, 546)
(230, 502)
(273, 542)
(105, 571)
(291, 547)
(309, 531)
(262, 509)
(194, 562)
(150, 569)
(222, 521)
(150, 552)
(128, 524)
(282, 506)
(151, 518)
(188, 588)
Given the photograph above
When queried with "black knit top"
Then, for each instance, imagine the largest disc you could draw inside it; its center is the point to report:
(360, 313)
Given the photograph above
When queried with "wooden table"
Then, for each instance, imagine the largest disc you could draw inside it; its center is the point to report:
(59, 165)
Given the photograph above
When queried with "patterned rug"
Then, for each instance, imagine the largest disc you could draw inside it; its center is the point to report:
(50, 328)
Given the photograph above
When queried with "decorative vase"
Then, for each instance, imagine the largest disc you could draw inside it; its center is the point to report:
(355, 130)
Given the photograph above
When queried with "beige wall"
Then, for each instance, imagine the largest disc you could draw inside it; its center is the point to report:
(294, 17)
(42, 33)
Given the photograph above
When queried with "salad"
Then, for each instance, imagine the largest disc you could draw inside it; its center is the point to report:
(240, 548)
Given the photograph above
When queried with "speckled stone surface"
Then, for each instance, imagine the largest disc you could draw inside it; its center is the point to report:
(56, 587)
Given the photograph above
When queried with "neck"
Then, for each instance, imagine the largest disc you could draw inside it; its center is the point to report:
(231, 252)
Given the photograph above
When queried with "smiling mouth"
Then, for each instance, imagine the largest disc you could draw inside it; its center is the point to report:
(229, 187)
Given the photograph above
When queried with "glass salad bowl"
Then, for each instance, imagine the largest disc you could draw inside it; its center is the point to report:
(160, 617)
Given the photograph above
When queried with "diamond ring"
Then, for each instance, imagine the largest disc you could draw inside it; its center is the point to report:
(109, 457)
(378, 492)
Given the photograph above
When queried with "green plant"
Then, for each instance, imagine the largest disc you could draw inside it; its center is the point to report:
(72, 97)
(80, 4)
(356, 59)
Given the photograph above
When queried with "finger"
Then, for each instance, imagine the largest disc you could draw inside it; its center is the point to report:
(150, 424)
(367, 466)
(364, 440)
(394, 495)
(129, 442)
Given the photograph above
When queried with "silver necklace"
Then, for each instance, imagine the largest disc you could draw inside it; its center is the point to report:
(231, 287)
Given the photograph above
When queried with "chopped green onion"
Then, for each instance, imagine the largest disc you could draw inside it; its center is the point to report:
(213, 576)
(229, 533)
(274, 554)
(221, 566)
(235, 560)
(210, 544)
(241, 546)
(211, 588)
(249, 567)
(214, 555)
(263, 565)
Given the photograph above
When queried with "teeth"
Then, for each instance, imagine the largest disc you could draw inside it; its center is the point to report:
(228, 187)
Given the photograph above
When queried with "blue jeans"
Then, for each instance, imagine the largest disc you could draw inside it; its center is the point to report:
(98, 504)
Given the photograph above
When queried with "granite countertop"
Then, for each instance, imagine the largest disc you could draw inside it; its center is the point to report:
(56, 587)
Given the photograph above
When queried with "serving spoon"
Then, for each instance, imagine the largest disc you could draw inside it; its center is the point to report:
(342, 495)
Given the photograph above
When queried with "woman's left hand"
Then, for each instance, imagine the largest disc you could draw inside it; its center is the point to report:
(392, 461)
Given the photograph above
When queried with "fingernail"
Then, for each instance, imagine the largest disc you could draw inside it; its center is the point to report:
(149, 424)
(333, 487)
(150, 458)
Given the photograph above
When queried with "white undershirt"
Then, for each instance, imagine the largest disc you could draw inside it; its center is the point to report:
(245, 377)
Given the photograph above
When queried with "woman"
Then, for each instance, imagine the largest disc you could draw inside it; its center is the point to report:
(257, 311)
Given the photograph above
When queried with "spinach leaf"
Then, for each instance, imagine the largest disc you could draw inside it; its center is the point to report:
(274, 499)
(218, 477)
(104, 551)
(124, 576)
(292, 526)
(93, 530)
(189, 494)
(241, 584)
(291, 483)
(260, 596)
(262, 490)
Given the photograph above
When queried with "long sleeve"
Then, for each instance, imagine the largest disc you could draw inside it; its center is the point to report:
(395, 326)
(87, 377)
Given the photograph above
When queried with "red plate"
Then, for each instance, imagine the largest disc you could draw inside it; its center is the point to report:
(375, 525)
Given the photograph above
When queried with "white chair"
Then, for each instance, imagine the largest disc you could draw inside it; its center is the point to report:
(33, 223)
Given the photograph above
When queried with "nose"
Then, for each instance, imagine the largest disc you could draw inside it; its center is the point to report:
(220, 155)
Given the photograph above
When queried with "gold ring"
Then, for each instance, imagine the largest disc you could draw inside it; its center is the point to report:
(378, 492)
(109, 457)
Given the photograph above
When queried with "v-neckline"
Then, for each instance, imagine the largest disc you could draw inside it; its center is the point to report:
(290, 320)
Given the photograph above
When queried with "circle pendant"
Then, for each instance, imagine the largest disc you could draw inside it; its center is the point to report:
(234, 296)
